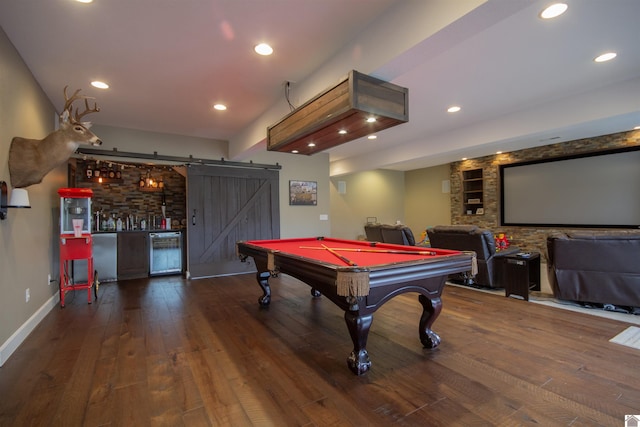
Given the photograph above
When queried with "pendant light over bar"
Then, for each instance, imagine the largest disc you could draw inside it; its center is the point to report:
(355, 107)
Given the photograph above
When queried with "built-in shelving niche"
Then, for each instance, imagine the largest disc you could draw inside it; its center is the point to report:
(473, 192)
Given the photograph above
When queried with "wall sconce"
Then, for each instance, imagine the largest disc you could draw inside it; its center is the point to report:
(19, 199)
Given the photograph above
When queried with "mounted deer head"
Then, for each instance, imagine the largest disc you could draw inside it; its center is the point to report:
(31, 159)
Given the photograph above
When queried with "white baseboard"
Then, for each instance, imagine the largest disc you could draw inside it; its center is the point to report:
(14, 341)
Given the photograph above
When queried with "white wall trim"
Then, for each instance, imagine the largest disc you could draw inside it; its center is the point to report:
(14, 341)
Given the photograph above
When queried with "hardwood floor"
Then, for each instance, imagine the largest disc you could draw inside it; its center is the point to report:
(168, 351)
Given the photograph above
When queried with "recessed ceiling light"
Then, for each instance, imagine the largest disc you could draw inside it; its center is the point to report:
(294, 151)
(464, 158)
(98, 84)
(453, 109)
(554, 10)
(311, 144)
(372, 137)
(220, 107)
(636, 128)
(605, 57)
(371, 120)
(498, 152)
(84, 1)
(263, 49)
(342, 132)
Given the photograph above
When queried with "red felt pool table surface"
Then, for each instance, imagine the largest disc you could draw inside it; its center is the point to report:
(362, 253)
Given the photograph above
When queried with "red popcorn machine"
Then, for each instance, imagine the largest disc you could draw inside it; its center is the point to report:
(75, 240)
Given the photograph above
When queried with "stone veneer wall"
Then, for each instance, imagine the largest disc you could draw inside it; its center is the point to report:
(126, 198)
(526, 238)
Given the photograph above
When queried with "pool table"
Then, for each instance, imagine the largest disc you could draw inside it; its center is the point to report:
(360, 276)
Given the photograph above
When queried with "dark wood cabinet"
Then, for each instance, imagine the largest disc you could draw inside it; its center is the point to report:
(133, 255)
(473, 192)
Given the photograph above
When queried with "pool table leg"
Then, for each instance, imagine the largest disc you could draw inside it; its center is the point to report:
(358, 326)
(430, 310)
(263, 281)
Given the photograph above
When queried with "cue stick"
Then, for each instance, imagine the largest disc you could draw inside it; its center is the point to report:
(382, 251)
(343, 258)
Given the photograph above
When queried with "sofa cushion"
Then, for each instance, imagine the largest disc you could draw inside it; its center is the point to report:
(373, 232)
(466, 229)
(616, 255)
(604, 235)
(392, 234)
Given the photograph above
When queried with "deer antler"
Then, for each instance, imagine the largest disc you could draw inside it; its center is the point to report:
(87, 110)
(69, 101)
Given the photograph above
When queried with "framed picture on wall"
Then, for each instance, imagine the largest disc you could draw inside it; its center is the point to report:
(303, 193)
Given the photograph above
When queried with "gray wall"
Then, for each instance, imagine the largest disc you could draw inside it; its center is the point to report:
(27, 246)
(426, 202)
(169, 145)
(378, 193)
(415, 198)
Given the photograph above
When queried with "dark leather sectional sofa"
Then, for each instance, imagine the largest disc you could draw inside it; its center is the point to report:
(595, 267)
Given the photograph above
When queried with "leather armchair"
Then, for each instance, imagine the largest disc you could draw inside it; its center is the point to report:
(598, 267)
(384, 233)
(480, 241)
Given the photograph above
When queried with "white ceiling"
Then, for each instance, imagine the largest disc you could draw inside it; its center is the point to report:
(521, 81)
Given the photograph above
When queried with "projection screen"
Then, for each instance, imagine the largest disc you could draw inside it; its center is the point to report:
(591, 190)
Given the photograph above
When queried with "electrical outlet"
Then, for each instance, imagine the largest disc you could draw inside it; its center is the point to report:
(49, 279)
(27, 295)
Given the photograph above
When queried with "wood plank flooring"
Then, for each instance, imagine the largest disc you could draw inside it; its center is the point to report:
(172, 352)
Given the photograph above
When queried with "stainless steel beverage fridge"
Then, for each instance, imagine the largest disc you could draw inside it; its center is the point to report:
(165, 255)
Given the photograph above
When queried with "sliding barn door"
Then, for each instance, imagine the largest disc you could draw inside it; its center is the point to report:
(225, 205)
